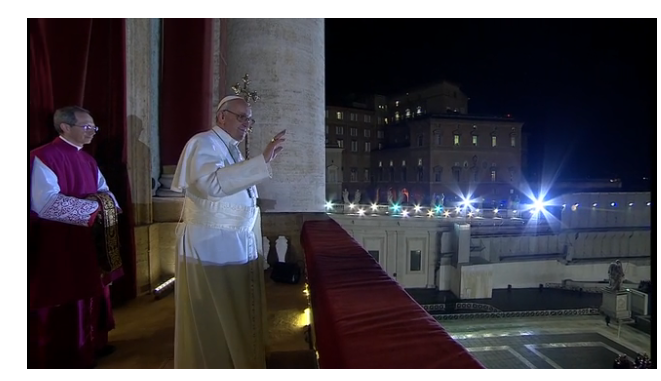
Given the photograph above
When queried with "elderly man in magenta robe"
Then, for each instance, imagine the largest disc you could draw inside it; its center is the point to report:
(74, 252)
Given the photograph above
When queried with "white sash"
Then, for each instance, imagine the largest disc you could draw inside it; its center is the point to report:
(219, 214)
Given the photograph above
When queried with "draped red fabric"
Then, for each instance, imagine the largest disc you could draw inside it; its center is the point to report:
(83, 62)
(41, 90)
(362, 318)
(186, 84)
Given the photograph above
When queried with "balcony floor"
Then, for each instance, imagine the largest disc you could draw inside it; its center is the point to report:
(144, 337)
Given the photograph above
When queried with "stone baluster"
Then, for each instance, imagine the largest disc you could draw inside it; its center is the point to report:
(281, 246)
(272, 256)
(166, 182)
(290, 254)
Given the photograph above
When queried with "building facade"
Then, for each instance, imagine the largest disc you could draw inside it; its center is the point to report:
(421, 146)
(473, 256)
(452, 155)
(352, 133)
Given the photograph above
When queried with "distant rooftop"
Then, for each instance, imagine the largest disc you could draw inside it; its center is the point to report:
(458, 116)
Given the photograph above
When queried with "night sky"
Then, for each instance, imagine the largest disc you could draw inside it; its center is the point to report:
(586, 89)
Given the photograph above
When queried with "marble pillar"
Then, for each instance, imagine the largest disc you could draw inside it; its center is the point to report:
(285, 61)
(142, 67)
(139, 115)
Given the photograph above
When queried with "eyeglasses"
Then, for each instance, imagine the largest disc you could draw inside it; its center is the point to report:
(242, 118)
(88, 127)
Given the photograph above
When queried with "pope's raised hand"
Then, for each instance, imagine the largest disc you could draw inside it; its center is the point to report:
(274, 147)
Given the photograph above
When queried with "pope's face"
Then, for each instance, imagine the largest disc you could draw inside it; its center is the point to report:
(236, 120)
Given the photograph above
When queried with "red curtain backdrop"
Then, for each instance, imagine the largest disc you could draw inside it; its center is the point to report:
(83, 62)
(186, 84)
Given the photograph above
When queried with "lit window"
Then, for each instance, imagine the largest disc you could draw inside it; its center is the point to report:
(408, 113)
(475, 140)
(403, 163)
(419, 110)
(419, 162)
(493, 141)
(391, 163)
(380, 164)
(340, 115)
(513, 141)
(396, 103)
(457, 139)
(340, 143)
(397, 116)
(385, 120)
(493, 175)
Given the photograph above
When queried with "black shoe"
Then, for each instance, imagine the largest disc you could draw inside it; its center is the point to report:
(108, 349)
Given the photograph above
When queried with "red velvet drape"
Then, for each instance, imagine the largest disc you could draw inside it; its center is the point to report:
(83, 62)
(186, 84)
(362, 318)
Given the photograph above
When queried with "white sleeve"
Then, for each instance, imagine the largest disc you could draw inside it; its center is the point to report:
(47, 201)
(102, 186)
(204, 168)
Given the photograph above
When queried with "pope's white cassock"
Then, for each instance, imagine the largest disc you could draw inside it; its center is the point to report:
(219, 292)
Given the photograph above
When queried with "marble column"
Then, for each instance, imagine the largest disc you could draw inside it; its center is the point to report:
(139, 46)
(285, 61)
(142, 68)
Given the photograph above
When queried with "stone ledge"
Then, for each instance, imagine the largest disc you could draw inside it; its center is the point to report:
(167, 209)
